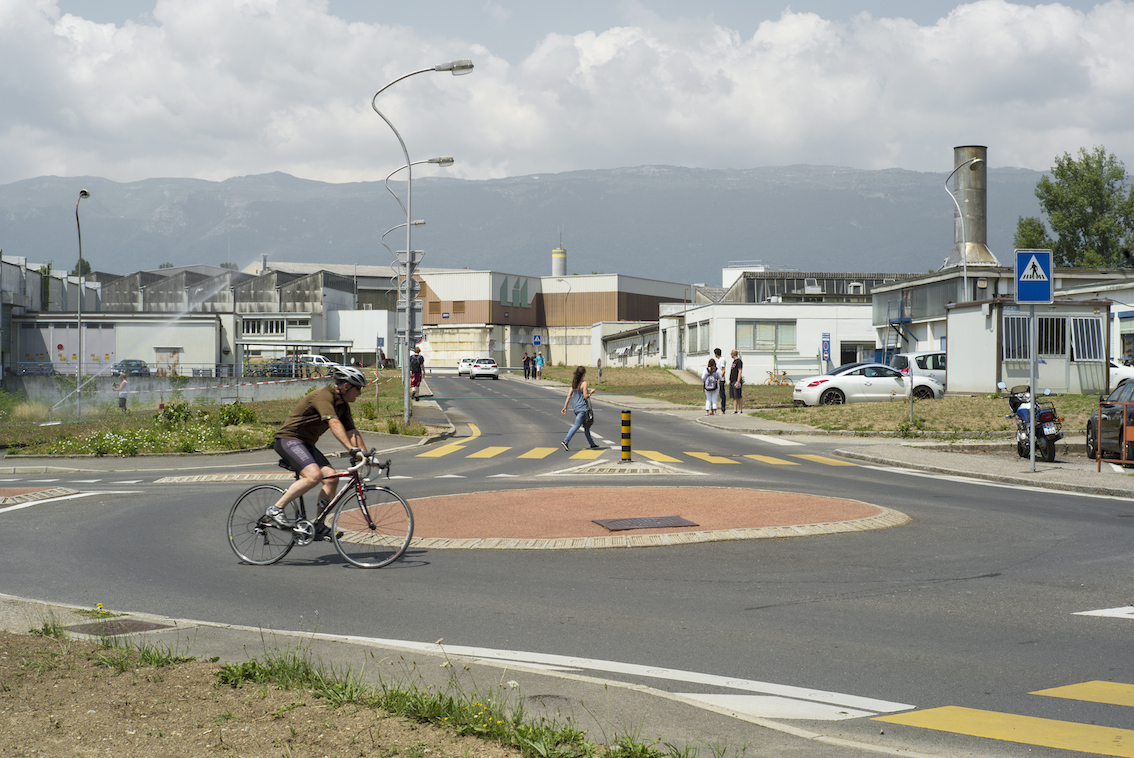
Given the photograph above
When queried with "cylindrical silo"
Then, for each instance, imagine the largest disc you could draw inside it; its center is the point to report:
(559, 262)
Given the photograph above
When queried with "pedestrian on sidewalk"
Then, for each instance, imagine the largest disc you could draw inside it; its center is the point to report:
(736, 383)
(527, 366)
(539, 365)
(416, 368)
(721, 389)
(710, 380)
(120, 388)
(577, 399)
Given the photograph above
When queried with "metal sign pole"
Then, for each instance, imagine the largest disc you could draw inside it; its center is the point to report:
(1032, 383)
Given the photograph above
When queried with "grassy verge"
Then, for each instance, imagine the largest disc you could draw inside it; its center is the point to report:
(661, 384)
(140, 700)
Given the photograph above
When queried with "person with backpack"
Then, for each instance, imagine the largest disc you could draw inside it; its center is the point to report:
(711, 380)
(416, 369)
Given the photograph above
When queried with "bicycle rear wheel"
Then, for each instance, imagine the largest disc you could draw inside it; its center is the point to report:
(249, 535)
(374, 536)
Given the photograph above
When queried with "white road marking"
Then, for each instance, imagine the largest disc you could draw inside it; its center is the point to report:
(503, 476)
(130, 481)
(9, 480)
(43, 480)
(84, 481)
(399, 477)
(1117, 468)
(986, 483)
(768, 707)
(450, 476)
(29, 504)
(773, 440)
(1125, 612)
(868, 706)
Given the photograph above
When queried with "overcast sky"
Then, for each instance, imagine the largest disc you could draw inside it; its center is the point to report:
(133, 89)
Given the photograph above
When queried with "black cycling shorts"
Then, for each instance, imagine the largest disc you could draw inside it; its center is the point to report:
(300, 455)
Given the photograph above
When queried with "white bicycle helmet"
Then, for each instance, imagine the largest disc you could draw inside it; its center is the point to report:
(350, 375)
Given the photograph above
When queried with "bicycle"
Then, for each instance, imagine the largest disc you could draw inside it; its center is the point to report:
(778, 379)
(369, 531)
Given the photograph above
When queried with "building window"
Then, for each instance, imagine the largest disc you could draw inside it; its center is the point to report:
(434, 306)
(1087, 340)
(458, 306)
(766, 336)
(1051, 338)
(1017, 345)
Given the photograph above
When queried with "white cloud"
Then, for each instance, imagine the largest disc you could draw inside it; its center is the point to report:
(216, 88)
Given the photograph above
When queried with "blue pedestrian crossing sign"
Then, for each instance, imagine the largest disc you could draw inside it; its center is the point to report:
(1033, 277)
(536, 340)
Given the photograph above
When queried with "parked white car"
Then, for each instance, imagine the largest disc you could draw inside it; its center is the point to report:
(863, 383)
(319, 363)
(929, 363)
(1118, 372)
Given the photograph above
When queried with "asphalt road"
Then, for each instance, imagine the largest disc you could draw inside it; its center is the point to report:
(972, 604)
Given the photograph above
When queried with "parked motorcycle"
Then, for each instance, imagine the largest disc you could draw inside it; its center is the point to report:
(1049, 426)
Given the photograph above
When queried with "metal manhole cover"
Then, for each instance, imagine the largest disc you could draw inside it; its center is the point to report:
(114, 627)
(647, 522)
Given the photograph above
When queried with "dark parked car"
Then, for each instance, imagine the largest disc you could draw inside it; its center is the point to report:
(130, 367)
(1110, 430)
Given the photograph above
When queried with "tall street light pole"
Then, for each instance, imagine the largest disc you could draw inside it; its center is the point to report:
(457, 68)
(565, 319)
(971, 163)
(79, 311)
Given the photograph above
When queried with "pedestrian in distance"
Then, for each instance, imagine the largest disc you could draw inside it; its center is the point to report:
(120, 388)
(710, 380)
(539, 364)
(577, 400)
(600, 370)
(736, 383)
(721, 393)
(527, 366)
(416, 368)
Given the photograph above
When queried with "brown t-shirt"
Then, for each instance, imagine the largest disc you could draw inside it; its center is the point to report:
(312, 416)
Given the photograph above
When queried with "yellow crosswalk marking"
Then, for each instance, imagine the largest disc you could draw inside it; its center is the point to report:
(657, 457)
(1113, 693)
(588, 455)
(538, 453)
(711, 458)
(488, 452)
(437, 452)
(1025, 730)
(824, 461)
(771, 460)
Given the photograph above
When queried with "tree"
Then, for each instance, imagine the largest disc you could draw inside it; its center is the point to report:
(166, 265)
(86, 268)
(1090, 209)
(232, 266)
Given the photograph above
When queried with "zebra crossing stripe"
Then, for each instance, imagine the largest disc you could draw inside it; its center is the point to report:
(773, 440)
(587, 455)
(1024, 730)
(771, 460)
(710, 458)
(488, 452)
(539, 453)
(657, 457)
(441, 451)
(1111, 693)
(823, 460)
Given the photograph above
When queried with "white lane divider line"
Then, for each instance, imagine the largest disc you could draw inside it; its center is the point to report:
(450, 476)
(42, 480)
(30, 503)
(84, 481)
(130, 481)
(503, 476)
(773, 440)
(1125, 612)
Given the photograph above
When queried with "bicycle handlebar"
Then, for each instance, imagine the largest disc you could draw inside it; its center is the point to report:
(368, 459)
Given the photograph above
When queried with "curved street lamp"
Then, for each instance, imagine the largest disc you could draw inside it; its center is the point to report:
(971, 162)
(79, 311)
(457, 68)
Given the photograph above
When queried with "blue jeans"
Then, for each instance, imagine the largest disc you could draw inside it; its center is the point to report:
(579, 422)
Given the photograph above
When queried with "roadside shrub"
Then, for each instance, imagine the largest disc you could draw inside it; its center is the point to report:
(235, 414)
(367, 409)
(173, 415)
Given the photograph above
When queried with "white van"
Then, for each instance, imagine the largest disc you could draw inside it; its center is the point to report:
(319, 363)
(929, 363)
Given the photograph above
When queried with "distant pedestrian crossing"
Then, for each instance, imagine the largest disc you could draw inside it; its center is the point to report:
(467, 449)
(1093, 738)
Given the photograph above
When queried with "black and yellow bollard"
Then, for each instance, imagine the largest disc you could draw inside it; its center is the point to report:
(625, 436)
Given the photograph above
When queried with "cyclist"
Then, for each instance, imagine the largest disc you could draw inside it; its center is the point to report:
(326, 408)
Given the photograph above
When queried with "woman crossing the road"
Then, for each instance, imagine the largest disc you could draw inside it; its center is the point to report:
(577, 399)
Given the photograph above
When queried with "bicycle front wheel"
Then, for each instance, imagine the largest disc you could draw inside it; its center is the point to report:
(374, 535)
(250, 536)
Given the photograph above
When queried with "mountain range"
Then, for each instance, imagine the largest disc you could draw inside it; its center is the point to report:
(658, 222)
